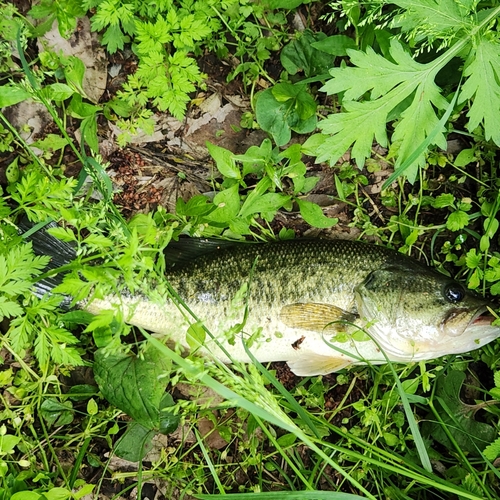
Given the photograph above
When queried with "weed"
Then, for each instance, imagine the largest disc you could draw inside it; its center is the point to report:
(379, 88)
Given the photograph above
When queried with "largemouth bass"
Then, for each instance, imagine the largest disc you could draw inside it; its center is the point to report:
(319, 305)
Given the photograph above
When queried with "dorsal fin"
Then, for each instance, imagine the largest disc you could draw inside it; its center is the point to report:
(185, 250)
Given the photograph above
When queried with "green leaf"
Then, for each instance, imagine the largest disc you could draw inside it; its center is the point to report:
(469, 433)
(57, 413)
(224, 160)
(227, 204)
(135, 443)
(294, 111)
(74, 71)
(436, 19)
(313, 214)
(25, 495)
(300, 55)
(473, 260)
(134, 384)
(10, 94)
(483, 84)
(57, 494)
(457, 220)
(492, 451)
(58, 91)
(114, 38)
(8, 443)
(465, 157)
(444, 200)
(195, 336)
(389, 84)
(335, 45)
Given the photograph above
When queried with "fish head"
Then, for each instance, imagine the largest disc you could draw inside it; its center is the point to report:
(417, 313)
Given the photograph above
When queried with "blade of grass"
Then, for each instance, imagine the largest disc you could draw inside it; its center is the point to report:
(209, 462)
(270, 415)
(286, 495)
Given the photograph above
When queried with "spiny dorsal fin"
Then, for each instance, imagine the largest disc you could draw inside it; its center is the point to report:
(185, 250)
(321, 318)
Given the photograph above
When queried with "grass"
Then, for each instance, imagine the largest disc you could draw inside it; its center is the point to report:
(401, 432)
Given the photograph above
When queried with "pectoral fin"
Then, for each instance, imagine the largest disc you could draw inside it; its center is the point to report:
(320, 318)
(315, 364)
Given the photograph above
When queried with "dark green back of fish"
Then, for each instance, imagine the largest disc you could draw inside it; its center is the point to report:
(284, 272)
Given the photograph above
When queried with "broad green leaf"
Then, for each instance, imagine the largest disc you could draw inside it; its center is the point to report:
(227, 205)
(294, 111)
(465, 157)
(133, 383)
(483, 85)
(25, 495)
(135, 443)
(10, 94)
(270, 115)
(300, 55)
(335, 45)
(74, 71)
(57, 494)
(269, 202)
(58, 91)
(8, 443)
(469, 433)
(197, 205)
(313, 214)
(224, 159)
(57, 413)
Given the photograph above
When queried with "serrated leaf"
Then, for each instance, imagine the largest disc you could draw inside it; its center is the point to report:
(492, 451)
(457, 220)
(389, 84)
(435, 18)
(472, 259)
(443, 200)
(483, 84)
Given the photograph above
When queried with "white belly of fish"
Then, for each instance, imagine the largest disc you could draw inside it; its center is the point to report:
(307, 352)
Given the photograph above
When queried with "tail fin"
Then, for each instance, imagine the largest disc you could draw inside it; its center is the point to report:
(60, 253)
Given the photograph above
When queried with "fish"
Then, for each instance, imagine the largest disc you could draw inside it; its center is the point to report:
(320, 305)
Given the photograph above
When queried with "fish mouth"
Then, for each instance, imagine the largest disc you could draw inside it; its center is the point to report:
(482, 317)
(453, 325)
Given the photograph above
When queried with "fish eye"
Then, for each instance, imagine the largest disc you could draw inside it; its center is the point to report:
(454, 292)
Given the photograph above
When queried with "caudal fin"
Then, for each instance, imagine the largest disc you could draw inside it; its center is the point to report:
(60, 253)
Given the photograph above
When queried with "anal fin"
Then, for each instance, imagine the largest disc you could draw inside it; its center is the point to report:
(311, 364)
